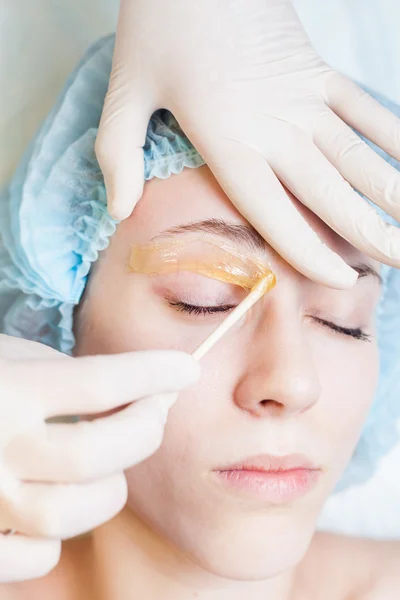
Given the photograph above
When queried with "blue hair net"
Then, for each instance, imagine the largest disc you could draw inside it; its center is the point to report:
(54, 222)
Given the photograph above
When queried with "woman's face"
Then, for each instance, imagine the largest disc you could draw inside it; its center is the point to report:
(295, 376)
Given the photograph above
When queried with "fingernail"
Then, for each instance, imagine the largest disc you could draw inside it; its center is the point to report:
(117, 209)
(191, 372)
(344, 278)
(117, 212)
(169, 400)
(165, 402)
(336, 272)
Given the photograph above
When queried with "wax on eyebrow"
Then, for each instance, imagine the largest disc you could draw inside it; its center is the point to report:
(207, 257)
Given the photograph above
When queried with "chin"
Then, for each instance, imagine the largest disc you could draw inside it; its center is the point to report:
(251, 547)
(227, 537)
(254, 555)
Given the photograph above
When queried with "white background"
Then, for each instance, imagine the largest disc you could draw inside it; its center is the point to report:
(40, 42)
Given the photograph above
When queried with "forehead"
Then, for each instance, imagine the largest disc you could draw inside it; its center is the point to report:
(195, 195)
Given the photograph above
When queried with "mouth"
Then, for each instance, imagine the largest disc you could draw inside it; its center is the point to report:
(272, 479)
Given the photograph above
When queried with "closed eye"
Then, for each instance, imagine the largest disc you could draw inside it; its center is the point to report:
(192, 309)
(357, 333)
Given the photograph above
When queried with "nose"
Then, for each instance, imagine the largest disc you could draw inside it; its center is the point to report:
(280, 378)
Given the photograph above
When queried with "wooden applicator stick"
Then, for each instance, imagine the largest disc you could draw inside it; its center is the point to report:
(258, 291)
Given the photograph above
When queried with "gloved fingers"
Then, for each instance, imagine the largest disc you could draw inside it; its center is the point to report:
(19, 414)
(94, 384)
(23, 558)
(120, 140)
(363, 168)
(14, 348)
(88, 450)
(362, 112)
(319, 186)
(63, 511)
(251, 184)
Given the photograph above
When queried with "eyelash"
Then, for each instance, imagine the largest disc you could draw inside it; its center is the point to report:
(356, 333)
(191, 309)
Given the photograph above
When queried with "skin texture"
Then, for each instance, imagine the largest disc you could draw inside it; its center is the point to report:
(281, 382)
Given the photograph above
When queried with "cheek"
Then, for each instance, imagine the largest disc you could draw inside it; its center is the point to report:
(204, 416)
(201, 422)
(348, 376)
(168, 487)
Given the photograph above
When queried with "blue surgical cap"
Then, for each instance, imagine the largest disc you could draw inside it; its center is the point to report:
(54, 223)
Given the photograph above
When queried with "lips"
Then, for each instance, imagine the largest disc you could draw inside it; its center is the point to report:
(272, 479)
(268, 463)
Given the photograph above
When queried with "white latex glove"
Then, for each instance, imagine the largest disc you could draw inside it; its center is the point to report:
(259, 104)
(74, 470)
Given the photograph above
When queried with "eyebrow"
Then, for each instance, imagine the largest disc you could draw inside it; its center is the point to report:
(238, 233)
(365, 270)
(245, 234)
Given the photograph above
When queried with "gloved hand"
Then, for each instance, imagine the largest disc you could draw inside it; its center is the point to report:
(248, 89)
(75, 470)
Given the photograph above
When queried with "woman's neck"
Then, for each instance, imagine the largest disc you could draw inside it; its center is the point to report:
(130, 561)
